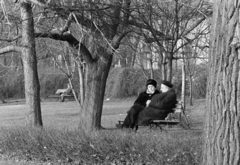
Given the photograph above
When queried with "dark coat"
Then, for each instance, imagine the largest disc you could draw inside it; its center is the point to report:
(138, 106)
(143, 97)
(161, 104)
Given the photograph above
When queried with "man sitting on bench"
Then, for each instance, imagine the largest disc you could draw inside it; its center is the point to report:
(68, 91)
(160, 106)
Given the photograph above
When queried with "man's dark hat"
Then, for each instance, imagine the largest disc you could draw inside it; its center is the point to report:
(167, 83)
(151, 82)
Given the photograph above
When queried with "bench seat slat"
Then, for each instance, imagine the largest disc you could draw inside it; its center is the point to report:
(170, 122)
(158, 122)
(54, 96)
(60, 96)
(68, 96)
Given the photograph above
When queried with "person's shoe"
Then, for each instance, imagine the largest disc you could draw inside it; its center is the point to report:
(119, 125)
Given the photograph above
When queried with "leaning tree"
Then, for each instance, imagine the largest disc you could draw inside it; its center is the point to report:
(102, 26)
(222, 123)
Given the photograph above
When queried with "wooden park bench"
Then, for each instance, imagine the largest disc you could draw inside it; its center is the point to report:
(58, 93)
(176, 117)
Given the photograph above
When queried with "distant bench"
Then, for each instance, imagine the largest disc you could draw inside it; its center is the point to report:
(57, 97)
(58, 93)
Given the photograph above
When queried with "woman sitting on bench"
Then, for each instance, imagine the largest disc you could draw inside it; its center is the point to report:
(141, 102)
(160, 106)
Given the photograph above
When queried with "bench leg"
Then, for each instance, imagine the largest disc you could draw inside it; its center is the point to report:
(160, 127)
(157, 125)
(136, 128)
(62, 98)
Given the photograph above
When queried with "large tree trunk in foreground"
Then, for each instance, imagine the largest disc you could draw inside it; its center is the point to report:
(32, 86)
(222, 127)
(91, 110)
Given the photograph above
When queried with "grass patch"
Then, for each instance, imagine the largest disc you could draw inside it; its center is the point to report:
(179, 147)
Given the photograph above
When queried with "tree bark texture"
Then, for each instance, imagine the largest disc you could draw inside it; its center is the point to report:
(80, 68)
(32, 86)
(190, 91)
(91, 110)
(222, 121)
(163, 67)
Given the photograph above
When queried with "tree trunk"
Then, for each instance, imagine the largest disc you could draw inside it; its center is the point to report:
(32, 86)
(160, 61)
(123, 62)
(169, 70)
(183, 85)
(190, 91)
(73, 91)
(91, 110)
(222, 121)
(133, 59)
(4, 60)
(163, 67)
(81, 82)
(151, 69)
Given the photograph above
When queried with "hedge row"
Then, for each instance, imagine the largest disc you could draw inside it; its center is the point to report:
(121, 83)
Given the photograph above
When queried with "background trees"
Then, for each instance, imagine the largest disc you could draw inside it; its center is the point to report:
(169, 26)
(95, 30)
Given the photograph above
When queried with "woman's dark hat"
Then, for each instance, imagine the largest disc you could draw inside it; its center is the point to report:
(151, 82)
(167, 83)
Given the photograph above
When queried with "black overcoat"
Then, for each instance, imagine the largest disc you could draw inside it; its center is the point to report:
(144, 97)
(138, 106)
(161, 104)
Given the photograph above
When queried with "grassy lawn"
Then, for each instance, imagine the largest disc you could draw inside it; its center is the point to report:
(61, 143)
(62, 115)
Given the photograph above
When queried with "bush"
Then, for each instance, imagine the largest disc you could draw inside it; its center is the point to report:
(12, 85)
(121, 83)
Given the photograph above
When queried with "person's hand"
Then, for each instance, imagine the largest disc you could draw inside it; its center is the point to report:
(148, 102)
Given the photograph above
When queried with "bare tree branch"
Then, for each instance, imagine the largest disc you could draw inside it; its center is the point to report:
(193, 26)
(67, 24)
(161, 35)
(71, 40)
(37, 2)
(11, 39)
(11, 48)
